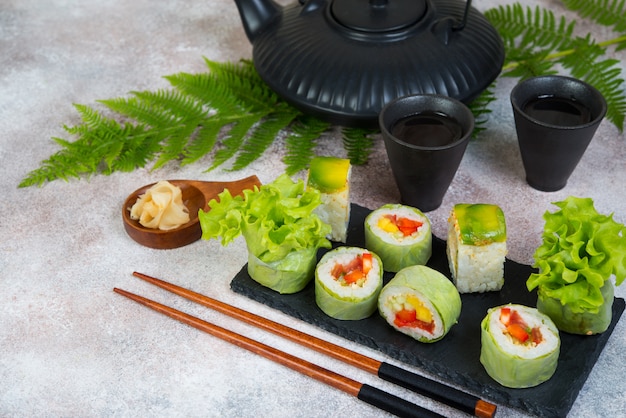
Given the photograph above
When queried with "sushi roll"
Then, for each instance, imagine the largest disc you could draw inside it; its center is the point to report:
(476, 247)
(347, 283)
(519, 346)
(400, 235)
(421, 303)
(331, 176)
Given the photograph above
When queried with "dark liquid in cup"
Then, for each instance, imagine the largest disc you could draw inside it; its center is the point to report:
(428, 129)
(557, 111)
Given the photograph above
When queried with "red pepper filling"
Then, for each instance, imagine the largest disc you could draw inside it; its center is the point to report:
(355, 270)
(405, 225)
(517, 327)
(408, 318)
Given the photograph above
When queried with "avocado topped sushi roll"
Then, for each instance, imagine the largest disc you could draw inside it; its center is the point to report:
(476, 247)
(519, 346)
(421, 303)
(400, 235)
(347, 283)
(331, 176)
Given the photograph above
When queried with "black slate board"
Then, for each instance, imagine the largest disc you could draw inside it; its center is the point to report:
(455, 358)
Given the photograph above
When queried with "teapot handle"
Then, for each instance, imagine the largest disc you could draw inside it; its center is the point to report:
(444, 27)
(461, 25)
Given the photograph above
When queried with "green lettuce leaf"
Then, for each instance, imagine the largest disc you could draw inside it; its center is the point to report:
(275, 219)
(581, 250)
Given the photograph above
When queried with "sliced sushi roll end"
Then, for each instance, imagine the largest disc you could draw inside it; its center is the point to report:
(421, 303)
(400, 235)
(476, 247)
(519, 346)
(331, 176)
(347, 283)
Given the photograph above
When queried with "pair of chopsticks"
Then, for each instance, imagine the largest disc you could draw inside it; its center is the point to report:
(440, 392)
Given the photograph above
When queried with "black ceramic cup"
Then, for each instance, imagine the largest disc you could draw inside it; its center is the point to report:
(425, 137)
(555, 118)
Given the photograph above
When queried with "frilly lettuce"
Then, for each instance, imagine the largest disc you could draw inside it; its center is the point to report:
(581, 250)
(275, 219)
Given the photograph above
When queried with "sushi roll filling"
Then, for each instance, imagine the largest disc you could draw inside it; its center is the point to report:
(354, 272)
(515, 326)
(410, 312)
(399, 226)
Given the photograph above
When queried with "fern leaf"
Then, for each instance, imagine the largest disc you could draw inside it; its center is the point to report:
(586, 63)
(358, 143)
(235, 139)
(61, 165)
(245, 83)
(184, 123)
(173, 102)
(262, 136)
(140, 147)
(605, 12)
(530, 52)
(300, 144)
(480, 108)
(141, 111)
(173, 147)
(529, 29)
(202, 142)
(208, 88)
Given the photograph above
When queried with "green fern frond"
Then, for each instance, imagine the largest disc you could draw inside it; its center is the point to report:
(202, 142)
(234, 140)
(136, 150)
(262, 136)
(480, 108)
(358, 143)
(231, 113)
(141, 111)
(530, 53)
(61, 165)
(173, 102)
(586, 63)
(610, 13)
(209, 89)
(245, 83)
(300, 143)
(529, 29)
(529, 36)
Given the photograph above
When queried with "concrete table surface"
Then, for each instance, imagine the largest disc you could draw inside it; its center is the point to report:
(70, 346)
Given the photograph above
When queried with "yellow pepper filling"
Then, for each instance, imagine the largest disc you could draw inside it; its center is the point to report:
(421, 312)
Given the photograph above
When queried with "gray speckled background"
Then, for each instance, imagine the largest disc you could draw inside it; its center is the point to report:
(69, 346)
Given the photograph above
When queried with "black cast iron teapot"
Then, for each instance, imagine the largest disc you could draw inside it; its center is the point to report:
(343, 60)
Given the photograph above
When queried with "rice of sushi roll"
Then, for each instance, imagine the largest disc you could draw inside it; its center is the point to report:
(421, 303)
(331, 176)
(347, 283)
(476, 247)
(519, 346)
(400, 235)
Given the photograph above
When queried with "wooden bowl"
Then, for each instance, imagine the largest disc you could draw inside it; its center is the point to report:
(196, 195)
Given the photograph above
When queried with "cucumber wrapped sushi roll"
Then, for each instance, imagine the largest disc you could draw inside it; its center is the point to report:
(421, 303)
(400, 235)
(347, 283)
(331, 176)
(476, 247)
(519, 346)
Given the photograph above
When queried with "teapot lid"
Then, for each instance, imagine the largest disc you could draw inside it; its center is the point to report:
(378, 15)
(343, 60)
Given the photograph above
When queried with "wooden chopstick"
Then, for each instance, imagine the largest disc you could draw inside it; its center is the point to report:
(438, 391)
(364, 392)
